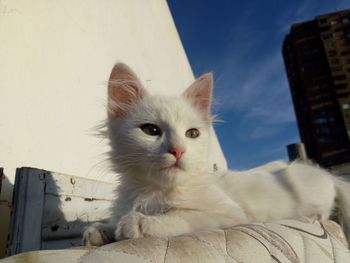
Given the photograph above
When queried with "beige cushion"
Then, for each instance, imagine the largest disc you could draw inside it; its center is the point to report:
(282, 241)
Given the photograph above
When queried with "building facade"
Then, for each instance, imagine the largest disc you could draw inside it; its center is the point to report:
(317, 60)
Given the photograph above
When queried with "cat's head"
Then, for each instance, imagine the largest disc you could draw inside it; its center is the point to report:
(156, 137)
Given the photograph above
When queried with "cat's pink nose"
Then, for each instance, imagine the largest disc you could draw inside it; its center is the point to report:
(177, 152)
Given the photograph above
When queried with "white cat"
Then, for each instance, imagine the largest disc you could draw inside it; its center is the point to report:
(160, 151)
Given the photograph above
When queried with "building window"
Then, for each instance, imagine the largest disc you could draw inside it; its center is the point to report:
(325, 28)
(307, 51)
(324, 130)
(325, 140)
(343, 43)
(323, 21)
(340, 77)
(315, 88)
(345, 106)
(327, 36)
(334, 22)
(345, 20)
(341, 86)
(342, 95)
(337, 69)
(334, 61)
(332, 53)
(323, 87)
(330, 45)
(321, 120)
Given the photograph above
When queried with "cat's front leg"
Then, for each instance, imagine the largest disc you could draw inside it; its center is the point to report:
(129, 226)
(99, 234)
(134, 225)
(175, 222)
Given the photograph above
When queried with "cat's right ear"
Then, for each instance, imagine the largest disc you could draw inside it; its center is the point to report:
(124, 90)
(200, 94)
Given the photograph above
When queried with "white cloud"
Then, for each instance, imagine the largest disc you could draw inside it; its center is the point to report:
(271, 116)
(263, 131)
(260, 93)
(253, 82)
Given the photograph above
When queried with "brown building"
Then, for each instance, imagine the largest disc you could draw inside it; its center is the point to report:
(317, 60)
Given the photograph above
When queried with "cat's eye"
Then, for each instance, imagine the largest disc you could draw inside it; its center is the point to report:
(151, 129)
(192, 133)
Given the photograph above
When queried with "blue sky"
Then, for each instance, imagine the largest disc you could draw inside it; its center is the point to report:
(240, 42)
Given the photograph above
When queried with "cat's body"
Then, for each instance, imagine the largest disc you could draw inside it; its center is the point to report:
(160, 149)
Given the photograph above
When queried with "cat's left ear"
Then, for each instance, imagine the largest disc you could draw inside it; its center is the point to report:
(200, 94)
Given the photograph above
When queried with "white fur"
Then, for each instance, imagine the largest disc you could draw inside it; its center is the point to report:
(153, 201)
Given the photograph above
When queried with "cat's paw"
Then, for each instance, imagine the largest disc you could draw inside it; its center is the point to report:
(133, 225)
(98, 235)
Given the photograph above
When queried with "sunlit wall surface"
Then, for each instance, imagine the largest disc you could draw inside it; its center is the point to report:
(55, 59)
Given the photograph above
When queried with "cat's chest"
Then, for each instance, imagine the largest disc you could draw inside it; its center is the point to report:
(152, 203)
(159, 202)
(162, 201)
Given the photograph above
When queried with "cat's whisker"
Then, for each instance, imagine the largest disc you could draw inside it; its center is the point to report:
(150, 169)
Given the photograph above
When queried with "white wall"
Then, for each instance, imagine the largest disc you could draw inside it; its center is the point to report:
(55, 59)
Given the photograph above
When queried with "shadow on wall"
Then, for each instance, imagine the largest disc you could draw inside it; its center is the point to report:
(51, 210)
(6, 189)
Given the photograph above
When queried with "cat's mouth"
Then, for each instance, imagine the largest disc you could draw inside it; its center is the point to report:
(174, 166)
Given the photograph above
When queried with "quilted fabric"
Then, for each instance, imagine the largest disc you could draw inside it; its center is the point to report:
(284, 241)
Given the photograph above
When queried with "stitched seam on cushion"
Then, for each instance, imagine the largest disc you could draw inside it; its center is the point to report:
(336, 240)
(203, 241)
(304, 248)
(166, 250)
(270, 233)
(225, 236)
(252, 236)
(333, 248)
(266, 235)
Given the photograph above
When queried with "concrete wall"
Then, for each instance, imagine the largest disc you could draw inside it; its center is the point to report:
(55, 59)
